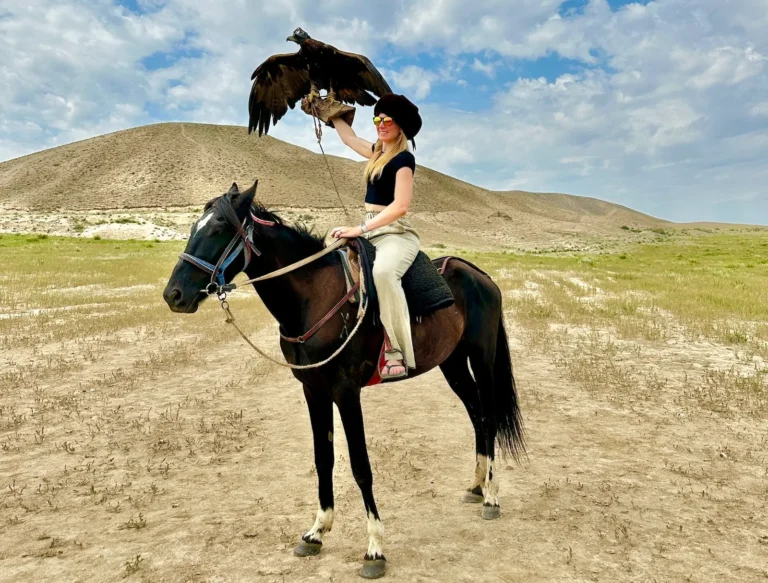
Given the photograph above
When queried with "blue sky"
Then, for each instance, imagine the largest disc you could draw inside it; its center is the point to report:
(661, 106)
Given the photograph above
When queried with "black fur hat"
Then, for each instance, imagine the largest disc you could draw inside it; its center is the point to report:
(400, 109)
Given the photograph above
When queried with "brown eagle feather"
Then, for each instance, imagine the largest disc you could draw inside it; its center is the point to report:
(282, 80)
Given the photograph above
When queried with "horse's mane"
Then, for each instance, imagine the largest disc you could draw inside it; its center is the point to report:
(304, 238)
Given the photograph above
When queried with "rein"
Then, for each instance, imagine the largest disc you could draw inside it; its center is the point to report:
(243, 241)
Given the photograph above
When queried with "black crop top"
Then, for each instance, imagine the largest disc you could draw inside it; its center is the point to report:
(382, 190)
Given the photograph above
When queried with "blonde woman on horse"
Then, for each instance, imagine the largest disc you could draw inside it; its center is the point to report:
(389, 181)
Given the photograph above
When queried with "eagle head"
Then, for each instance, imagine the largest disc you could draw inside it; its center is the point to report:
(298, 36)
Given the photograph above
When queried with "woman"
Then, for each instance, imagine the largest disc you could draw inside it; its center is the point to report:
(389, 179)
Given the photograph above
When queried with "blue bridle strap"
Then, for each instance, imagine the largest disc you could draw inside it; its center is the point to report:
(245, 245)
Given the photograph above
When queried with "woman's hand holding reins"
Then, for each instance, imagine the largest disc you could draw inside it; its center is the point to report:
(346, 232)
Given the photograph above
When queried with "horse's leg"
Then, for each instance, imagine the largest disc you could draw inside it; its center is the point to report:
(456, 372)
(351, 413)
(482, 360)
(321, 416)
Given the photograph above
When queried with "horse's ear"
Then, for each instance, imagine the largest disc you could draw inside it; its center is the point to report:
(234, 189)
(242, 202)
(253, 187)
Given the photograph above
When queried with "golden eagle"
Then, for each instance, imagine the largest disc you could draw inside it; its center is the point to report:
(282, 80)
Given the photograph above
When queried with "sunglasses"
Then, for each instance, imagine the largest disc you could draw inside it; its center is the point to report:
(387, 121)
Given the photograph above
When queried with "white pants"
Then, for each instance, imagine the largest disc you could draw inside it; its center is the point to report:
(397, 245)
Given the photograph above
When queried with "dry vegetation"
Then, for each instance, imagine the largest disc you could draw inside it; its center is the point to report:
(142, 445)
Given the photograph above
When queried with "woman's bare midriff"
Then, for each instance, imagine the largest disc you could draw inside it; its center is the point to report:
(374, 208)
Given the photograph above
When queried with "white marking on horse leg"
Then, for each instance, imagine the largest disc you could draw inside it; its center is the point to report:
(481, 469)
(323, 524)
(491, 490)
(375, 534)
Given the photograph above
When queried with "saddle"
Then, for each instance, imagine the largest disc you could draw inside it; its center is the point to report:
(425, 289)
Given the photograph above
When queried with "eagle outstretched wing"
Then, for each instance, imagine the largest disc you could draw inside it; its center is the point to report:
(278, 83)
(355, 75)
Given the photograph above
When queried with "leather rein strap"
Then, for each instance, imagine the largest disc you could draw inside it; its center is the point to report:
(301, 263)
(311, 332)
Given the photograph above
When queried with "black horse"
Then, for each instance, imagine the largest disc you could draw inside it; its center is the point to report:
(470, 332)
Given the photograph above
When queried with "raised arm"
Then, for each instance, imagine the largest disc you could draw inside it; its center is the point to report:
(349, 137)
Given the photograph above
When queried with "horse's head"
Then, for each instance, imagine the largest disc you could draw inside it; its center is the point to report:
(219, 247)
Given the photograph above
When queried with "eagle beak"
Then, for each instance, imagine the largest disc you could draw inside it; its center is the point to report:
(291, 38)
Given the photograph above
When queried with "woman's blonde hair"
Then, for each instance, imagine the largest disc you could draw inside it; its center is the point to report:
(379, 159)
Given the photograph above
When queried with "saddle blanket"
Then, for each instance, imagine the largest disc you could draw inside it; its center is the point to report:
(425, 289)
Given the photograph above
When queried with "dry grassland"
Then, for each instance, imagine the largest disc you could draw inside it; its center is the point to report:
(142, 445)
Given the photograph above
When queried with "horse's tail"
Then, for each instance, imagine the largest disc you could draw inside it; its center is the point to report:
(510, 435)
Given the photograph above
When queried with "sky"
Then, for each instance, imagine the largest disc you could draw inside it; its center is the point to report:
(661, 105)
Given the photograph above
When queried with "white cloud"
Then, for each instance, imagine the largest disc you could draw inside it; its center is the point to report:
(486, 68)
(760, 109)
(665, 123)
(414, 80)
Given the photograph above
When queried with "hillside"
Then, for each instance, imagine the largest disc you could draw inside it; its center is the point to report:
(181, 165)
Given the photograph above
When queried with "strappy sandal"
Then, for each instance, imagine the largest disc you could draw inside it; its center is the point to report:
(388, 376)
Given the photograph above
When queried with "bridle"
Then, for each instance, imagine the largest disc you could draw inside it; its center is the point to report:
(241, 242)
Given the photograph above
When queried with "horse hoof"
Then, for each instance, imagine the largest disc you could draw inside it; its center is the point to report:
(307, 548)
(473, 497)
(373, 568)
(491, 512)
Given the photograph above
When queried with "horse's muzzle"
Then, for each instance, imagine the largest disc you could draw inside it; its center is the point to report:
(175, 300)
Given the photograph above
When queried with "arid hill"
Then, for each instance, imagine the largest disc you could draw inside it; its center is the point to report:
(172, 165)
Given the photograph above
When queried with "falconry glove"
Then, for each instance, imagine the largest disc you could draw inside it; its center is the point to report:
(326, 110)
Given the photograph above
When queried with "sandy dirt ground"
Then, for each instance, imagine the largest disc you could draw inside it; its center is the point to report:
(176, 455)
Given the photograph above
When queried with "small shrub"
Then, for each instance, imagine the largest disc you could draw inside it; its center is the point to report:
(132, 566)
(735, 337)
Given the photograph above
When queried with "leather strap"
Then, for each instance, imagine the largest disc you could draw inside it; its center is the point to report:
(311, 332)
(445, 264)
(293, 266)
